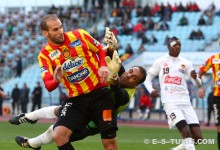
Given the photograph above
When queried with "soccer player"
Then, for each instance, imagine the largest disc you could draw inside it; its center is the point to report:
(123, 89)
(214, 63)
(172, 70)
(76, 60)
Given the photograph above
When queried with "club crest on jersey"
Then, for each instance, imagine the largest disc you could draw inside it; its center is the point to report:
(216, 61)
(43, 69)
(78, 76)
(66, 53)
(71, 65)
(54, 54)
(182, 69)
(75, 43)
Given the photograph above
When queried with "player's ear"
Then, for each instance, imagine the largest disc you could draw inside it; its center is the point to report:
(44, 32)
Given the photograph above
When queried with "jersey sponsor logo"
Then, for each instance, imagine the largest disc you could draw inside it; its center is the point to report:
(218, 82)
(75, 43)
(70, 65)
(55, 54)
(78, 76)
(173, 80)
(96, 42)
(107, 115)
(43, 69)
(216, 61)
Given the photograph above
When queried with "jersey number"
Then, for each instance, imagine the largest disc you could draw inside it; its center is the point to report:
(166, 70)
(172, 116)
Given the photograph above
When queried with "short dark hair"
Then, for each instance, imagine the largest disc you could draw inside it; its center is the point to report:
(143, 72)
(43, 23)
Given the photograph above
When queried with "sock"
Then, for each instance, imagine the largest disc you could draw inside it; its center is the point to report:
(218, 138)
(66, 146)
(44, 138)
(179, 147)
(188, 144)
(45, 112)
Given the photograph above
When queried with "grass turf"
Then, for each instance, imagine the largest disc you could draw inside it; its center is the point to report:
(129, 138)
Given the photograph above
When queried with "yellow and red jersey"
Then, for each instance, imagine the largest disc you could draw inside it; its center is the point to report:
(214, 63)
(80, 57)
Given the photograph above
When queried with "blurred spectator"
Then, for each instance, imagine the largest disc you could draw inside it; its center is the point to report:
(18, 66)
(181, 7)
(36, 97)
(144, 105)
(183, 21)
(1, 100)
(175, 8)
(145, 40)
(128, 3)
(210, 107)
(164, 26)
(167, 39)
(152, 40)
(24, 98)
(210, 11)
(196, 35)
(201, 21)
(149, 23)
(15, 99)
(141, 48)
(128, 53)
(157, 26)
(10, 27)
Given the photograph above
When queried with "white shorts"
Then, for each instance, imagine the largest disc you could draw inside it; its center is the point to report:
(176, 113)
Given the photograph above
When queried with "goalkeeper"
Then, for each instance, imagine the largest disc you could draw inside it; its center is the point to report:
(123, 88)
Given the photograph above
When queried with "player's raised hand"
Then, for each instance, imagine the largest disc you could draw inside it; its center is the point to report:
(58, 73)
(154, 94)
(103, 73)
(113, 65)
(110, 40)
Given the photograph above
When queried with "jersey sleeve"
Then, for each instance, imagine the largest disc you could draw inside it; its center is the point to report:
(47, 73)
(95, 46)
(205, 67)
(155, 68)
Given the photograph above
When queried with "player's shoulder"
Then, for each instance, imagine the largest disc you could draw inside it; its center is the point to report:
(184, 59)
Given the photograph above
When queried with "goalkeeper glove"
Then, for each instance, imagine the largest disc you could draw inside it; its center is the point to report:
(110, 40)
(113, 65)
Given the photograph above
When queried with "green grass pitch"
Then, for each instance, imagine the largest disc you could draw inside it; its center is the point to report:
(129, 138)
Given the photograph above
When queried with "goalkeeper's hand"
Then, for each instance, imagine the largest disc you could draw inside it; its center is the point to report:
(113, 65)
(110, 40)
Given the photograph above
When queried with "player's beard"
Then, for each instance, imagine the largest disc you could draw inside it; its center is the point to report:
(58, 40)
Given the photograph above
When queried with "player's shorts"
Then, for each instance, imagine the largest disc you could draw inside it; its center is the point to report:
(96, 106)
(216, 106)
(176, 113)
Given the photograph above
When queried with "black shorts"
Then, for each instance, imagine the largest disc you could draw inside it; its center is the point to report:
(216, 106)
(97, 106)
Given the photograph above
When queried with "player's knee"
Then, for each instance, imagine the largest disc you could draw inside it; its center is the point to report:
(109, 139)
(61, 134)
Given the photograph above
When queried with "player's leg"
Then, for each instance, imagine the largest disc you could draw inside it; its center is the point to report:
(216, 107)
(176, 119)
(32, 117)
(74, 115)
(36, 142)
(105, 118)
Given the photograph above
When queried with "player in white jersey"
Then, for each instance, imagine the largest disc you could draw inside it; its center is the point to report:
(172, 70)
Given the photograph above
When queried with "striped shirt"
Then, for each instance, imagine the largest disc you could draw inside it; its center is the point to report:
(214, 63)
(80, 57)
